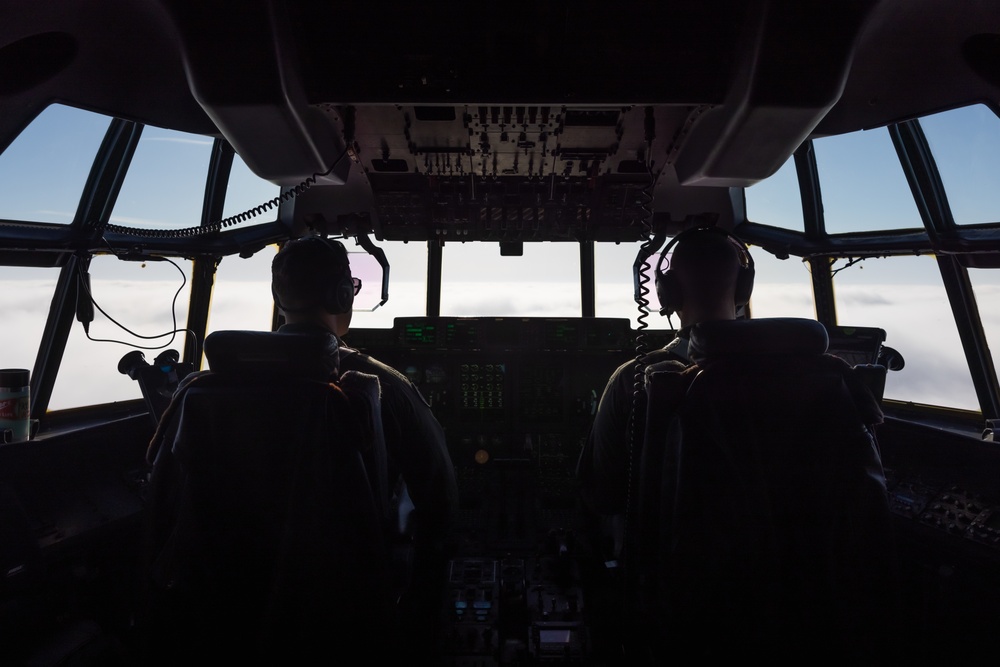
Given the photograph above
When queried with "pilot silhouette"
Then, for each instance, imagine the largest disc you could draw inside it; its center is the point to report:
(312, 284)
(709, 275)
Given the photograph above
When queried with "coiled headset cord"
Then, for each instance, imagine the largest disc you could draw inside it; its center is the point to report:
(285, 196)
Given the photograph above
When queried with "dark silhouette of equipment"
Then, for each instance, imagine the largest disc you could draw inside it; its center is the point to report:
(266, 534)
(762, 526)
(157, 380)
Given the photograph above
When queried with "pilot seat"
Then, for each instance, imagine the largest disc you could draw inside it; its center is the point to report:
(762, 527)
(266, 509)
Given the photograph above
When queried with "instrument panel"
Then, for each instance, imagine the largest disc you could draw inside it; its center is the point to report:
(515, 397)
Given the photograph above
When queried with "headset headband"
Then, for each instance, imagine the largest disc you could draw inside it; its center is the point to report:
(668, 289)
(338, 296)
(746, 260)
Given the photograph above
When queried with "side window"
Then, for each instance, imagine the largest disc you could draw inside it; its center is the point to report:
(986, 285)
(241, 298)
(25, 295)
(43, 171)
(247, 192)
(966, 147)
(165, 185)
(136, 305)
(775, 201)
(905, 296)
(863, 185)
(782, 287)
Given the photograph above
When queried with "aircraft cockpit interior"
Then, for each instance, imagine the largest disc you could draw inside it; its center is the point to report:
(508, 187)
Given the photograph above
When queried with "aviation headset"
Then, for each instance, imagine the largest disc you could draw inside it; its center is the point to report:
(668, 290)
(339, 295)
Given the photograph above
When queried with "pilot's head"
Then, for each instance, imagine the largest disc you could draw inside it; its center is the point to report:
(311, 282)
(709, 275)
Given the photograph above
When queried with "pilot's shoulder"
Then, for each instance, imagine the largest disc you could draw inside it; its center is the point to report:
(390, 378)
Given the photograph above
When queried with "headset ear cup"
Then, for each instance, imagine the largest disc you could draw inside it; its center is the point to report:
(668, 291)
(346, 295)
(744, 285)
(340, 297)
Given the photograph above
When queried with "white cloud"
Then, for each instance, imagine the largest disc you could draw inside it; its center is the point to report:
(916, 320)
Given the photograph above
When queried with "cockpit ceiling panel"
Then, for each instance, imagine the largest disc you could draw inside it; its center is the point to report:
(482, 172)
(471, 208)
(498, 141)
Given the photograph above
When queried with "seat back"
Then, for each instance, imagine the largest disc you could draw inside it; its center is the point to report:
(763, 519)
(266, 537)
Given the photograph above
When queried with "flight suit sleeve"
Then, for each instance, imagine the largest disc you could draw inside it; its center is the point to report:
(418, 449)
(603, 465)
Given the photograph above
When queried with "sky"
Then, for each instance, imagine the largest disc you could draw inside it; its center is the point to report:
(902, 295)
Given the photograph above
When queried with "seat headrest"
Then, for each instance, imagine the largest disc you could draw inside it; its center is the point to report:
(775, 335)
(306, 355)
